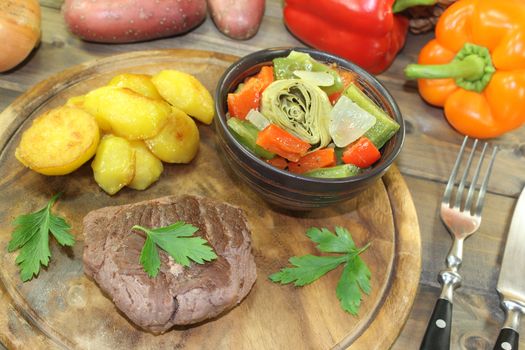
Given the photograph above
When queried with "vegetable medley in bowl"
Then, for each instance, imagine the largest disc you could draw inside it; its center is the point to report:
(305, 128)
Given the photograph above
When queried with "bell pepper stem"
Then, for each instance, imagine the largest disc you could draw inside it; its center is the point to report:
(472, 68)
(400, 5)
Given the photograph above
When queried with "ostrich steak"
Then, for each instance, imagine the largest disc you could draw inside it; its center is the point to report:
(177, 295)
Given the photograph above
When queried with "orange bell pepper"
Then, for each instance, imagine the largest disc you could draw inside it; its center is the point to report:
(475, 67)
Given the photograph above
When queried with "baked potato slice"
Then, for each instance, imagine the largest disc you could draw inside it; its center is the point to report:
(147, 167)
(140, 83)
(114, 163)
(127, 113)
(185, 92)
(178, 141)
(59, 141)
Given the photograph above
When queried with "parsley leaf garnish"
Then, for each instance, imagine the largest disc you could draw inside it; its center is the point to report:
(31, 236)
(177, 241)
(355, 277)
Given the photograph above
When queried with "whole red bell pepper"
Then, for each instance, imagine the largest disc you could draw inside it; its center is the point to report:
(366, 32)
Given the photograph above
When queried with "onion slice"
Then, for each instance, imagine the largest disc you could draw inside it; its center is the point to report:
(348, 122)
(316, 78)
(258, 119)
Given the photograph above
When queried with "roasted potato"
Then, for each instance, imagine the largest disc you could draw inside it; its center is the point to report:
(147, 167)
(140, 83)
(59, 141)
(178, 141)
(92, 104)
(114, 163)
(185, 92)
(127, 113)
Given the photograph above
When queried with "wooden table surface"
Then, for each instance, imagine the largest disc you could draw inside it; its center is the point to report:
(425, 162)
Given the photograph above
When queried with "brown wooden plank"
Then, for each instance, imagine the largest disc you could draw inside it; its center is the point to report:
(476, 320)
(54, 4)
(6, 97)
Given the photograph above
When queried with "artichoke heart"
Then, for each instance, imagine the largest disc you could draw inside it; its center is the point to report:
(300, 108)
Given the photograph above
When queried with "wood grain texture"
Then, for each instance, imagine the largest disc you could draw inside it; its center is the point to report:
(427, 156)
(46, 309)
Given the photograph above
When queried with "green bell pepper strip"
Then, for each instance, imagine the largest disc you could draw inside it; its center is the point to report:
(246, 133)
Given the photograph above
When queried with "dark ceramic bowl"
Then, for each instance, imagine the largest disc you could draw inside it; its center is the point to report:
(280, 187)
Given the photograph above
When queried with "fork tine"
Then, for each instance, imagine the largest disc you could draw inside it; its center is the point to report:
(452, 178)
(468, 202)
(483, 190)
(461, 186)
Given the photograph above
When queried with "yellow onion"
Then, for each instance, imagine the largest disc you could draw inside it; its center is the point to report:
(19, 31)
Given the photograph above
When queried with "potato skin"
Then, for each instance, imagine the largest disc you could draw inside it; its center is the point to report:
(114, 163)
(140, 83)
(127, 113)
(147, 167)
(237, 19)
(59, 141)
(124, 21)
(185, 92)
(178, 141)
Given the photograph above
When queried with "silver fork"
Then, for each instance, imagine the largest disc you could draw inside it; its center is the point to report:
(462, 217)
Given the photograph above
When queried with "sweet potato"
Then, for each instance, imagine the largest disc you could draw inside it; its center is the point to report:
(59, 141)
(238, 19)
(123, 21)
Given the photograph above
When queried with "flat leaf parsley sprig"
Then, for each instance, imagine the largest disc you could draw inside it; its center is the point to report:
(308, 268)
(31, 236)
(177, 241)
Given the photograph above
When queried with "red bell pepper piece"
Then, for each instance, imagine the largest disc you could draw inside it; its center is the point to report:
(249, 96)
(278, 162)
(361, 153)
(347, 77)
(281, 142)
(366, 32)
(321, 158)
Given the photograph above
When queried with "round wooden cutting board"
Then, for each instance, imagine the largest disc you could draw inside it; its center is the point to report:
(64, 309)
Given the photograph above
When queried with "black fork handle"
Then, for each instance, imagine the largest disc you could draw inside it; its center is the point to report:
(437, 335)
(508, 339)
